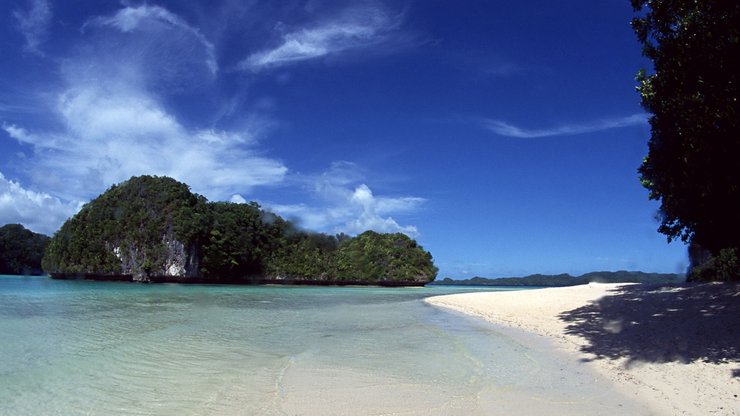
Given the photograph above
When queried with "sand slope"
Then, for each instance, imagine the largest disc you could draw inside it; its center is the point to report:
(674, 348)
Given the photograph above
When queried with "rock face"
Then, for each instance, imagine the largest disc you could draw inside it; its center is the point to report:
(177, 261)
(180, 261)
(151, 229)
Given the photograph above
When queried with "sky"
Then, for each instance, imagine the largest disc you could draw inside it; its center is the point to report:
(504, 136)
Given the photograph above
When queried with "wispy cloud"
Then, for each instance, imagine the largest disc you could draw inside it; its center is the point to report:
(344, 203)
(356, 28)
(505, 129)
(482, 64)
(130, 19)
(37, 211)
(34, 23)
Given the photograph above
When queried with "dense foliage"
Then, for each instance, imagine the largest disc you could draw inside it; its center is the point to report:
(692, 164)
(724, 266)
(238, 241)
(130, 229)
(394, 257)
(568, 280)
(21, 250)
(155, 229)
(299, 254)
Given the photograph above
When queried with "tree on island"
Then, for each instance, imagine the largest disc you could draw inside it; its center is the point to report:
(154, 229)
(21, 250)
(395, 257)
(694, 150)
(146, 225)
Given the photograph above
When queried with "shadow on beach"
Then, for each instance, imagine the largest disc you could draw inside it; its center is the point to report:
(652, 323)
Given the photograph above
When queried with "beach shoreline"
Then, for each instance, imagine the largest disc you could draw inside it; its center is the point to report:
(673, 349)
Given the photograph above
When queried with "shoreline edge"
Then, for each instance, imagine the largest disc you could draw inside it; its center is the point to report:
(669, 383)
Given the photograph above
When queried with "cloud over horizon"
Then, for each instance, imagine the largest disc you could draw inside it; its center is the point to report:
(345, 203)
(111, 137)
(37, 211)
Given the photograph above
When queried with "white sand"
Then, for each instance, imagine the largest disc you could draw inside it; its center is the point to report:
(674, 349)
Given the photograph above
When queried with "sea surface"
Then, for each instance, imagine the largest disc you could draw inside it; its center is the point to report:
(105, 348)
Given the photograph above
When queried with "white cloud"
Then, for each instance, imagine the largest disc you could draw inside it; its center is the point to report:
(112, 135)
(237, 199)
(130, 19)
(113, 120)
(505, 129)
(346, 204)
(37, 211)
(19, 133)
(354, 29)
(34, 23)
(370, 216)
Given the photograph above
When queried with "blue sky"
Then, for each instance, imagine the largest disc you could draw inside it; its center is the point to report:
(504, 136)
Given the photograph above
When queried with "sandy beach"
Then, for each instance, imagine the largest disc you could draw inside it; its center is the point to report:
(675, 349)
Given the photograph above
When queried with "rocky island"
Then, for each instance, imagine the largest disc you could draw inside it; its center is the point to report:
(154, 229)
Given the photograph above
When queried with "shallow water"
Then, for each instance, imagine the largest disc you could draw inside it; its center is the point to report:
(101, 348)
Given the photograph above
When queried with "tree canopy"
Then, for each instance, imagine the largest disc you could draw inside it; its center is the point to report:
(392, 256)
(21, 250)
(692, 94)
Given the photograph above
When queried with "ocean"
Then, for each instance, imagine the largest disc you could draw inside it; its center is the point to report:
(106, 348)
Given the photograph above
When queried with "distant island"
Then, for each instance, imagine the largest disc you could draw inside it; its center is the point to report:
(21, 250)
(568, 280)
(154, 229)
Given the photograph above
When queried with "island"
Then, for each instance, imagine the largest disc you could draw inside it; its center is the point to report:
(565, 279)
(21, 250)
(154, 229)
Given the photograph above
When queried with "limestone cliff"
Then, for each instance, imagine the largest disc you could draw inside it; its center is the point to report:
(177, 260)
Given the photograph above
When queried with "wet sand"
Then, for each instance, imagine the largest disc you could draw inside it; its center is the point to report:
(675, 349)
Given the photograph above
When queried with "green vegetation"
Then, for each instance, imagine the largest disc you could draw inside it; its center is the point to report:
(21, 250)
(154, 229)
(395, 257)
(723, 267)
(568, 280)
(692, 164)
(136, 228)
(301, 254)
(238, 241)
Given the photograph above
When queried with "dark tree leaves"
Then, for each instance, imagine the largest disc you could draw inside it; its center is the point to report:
(693, 164)
(21, 250)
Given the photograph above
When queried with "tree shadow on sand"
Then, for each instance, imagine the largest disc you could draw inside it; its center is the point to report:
(650, 323)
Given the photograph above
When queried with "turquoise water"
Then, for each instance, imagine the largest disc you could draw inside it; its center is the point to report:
(103, 348)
